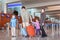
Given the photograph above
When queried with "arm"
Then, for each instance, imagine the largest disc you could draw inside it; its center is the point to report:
(34, 22)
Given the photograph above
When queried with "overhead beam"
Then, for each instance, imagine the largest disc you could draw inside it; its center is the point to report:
(43, 4)
(9, 1)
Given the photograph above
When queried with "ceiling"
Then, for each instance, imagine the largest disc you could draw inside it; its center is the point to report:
(35, 1)
(53, 11)
(50, 11)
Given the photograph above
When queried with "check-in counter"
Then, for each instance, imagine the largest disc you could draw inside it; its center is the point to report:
(4, 18)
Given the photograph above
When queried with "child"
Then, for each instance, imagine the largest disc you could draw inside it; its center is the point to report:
(37, 25)
(13, 23)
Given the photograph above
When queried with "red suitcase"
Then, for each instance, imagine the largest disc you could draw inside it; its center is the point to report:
(30, 30)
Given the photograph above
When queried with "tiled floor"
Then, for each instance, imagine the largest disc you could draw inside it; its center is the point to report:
(4, 36)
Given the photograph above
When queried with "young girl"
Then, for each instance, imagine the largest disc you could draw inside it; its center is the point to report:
(37, 25)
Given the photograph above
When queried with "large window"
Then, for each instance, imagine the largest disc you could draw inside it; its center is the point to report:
(14, 6)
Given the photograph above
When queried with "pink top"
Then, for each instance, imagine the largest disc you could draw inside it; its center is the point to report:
(37, 25)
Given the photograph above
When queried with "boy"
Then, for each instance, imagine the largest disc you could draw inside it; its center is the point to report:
(13, 23)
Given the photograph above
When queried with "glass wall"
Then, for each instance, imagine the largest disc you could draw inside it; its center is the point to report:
(14, 6)
(0, 5)
(34, 12)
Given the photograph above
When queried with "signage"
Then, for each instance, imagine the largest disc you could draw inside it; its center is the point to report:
(14, 5)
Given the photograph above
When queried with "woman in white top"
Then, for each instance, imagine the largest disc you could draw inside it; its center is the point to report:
(25, 17)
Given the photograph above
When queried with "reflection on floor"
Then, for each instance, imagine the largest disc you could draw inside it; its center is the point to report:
(5, 36)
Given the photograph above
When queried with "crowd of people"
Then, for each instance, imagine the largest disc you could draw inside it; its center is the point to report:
(27, 29)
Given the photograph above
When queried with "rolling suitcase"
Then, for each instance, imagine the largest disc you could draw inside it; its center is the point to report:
(30, 30)
(23, 32)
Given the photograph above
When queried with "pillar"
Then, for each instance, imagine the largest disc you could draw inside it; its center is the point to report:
(5, 8)
(52, 19)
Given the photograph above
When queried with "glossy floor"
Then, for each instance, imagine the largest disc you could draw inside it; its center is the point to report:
(5, 36)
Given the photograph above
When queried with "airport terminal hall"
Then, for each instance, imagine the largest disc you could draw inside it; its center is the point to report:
(29, 19)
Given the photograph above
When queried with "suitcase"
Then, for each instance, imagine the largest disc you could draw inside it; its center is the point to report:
(23, 32)
(30, 30)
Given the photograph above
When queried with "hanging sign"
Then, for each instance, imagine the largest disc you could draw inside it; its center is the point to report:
(14, 5)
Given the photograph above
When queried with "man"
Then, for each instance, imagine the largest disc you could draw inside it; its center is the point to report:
(25, 17)
(13, 24)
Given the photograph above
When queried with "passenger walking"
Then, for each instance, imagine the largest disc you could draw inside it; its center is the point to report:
(37, 25)
(13, 23)
(25, 17)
